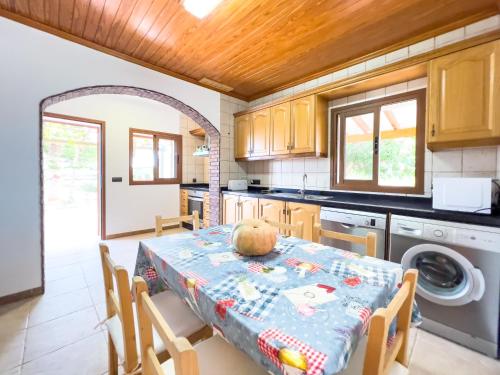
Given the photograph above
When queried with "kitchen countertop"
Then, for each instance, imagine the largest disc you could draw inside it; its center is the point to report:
(396, 205)
(195, 186)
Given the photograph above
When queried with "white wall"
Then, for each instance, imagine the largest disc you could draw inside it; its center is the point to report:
(35, 65)
(128, 207)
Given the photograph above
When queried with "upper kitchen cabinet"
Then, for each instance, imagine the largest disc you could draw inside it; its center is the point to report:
(280, 141)
(463, 97)
(242, 141)
(302, 125)
(259, 132)
(292, 128)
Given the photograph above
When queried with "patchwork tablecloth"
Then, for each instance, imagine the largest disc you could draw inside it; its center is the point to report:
(301, 309)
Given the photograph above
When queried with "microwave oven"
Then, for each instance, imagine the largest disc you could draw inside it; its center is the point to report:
(465, 194)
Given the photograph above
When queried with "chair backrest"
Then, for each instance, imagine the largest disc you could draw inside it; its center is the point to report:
(379, 358)
(369, 241)
(119, 303)
(296, 230)
(179, 348)
(161, 222)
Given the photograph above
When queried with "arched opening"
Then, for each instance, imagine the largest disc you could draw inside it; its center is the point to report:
(158, 97)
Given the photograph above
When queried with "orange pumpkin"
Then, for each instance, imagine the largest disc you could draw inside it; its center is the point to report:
(253, 237)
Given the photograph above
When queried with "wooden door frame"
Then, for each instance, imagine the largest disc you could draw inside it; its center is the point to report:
(101, 125)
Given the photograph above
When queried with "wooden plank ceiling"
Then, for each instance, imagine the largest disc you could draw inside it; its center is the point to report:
(252, 46)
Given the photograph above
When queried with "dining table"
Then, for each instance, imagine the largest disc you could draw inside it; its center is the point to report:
(301, 309)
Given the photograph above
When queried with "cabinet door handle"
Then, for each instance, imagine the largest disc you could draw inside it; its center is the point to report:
(433, 132)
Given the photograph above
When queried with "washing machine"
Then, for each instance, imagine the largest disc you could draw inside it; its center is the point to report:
(458, 288)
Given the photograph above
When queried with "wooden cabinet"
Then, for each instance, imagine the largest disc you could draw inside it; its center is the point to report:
(259, 133)
(242, 142)
(302, 125)
(184, 202)
(272, 210)
(280, 131)
(307, 213)
(283, 130)
(463, 97)
(249, 208)
(230, 209)
(206, 210)
(236, 208)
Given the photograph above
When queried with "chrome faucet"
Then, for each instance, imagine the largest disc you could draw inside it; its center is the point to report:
(303, 190)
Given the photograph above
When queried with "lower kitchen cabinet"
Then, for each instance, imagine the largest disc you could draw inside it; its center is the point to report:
(230, 209)
(272, 210)
(236, 208)
(307, 213)
(249, 208)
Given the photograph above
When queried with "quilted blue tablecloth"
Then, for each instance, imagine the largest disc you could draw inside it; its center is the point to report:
(301, 309)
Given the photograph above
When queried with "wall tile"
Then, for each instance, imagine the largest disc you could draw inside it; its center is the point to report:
(450, 37)
(396, 89)
(286, 166)
(340, 74)
(421, 47)
(311, 180)
(375, 94)
(416, 84)
(310, 84)
(356, 69)
(447, 161)
(482, 26)
(356, 98)
(298, 165)
(325, 79)
(375, 63)
(310, 165)
(323, 165)
(428, 161)
(397, 55)
(338, 102)
(491, 174)
(480, 159)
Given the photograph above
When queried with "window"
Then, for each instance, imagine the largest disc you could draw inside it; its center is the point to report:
(379, 145)
(155, 158)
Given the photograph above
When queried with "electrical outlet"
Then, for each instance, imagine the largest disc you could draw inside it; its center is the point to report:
(194, 179)
(254, 182)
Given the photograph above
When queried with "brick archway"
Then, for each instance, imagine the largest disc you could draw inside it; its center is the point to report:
(214, 184)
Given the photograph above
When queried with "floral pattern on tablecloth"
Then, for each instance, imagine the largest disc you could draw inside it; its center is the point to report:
(302, 309)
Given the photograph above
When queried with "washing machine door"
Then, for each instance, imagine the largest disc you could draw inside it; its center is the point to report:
(445, 276)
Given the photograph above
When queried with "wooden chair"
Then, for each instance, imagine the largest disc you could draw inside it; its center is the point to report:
(122, 343)
(296, 230)
(369, 241)
(374, 356)
(212, 356)
(160, 222)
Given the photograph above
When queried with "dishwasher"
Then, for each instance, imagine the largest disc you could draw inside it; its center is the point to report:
(356, 223)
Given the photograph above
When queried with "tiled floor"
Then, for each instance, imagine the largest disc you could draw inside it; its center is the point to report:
(56, 333)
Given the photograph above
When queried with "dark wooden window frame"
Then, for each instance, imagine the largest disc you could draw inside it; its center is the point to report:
(177, 138)
(338, 115)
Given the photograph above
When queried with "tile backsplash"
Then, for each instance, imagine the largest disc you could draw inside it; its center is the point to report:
(192, 166)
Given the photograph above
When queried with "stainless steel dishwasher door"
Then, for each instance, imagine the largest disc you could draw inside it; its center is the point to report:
(357, 223)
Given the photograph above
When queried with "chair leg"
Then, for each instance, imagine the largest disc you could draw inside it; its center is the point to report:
(112, 357)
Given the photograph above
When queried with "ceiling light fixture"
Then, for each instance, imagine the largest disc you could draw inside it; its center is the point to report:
(200, 8)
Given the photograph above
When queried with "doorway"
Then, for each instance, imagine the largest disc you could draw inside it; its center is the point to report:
(73, 181)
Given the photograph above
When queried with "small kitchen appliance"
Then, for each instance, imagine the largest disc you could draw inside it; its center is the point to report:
(464, 194)
(237, 185)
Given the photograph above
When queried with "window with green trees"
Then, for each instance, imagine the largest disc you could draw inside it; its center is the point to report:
(379, 145)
